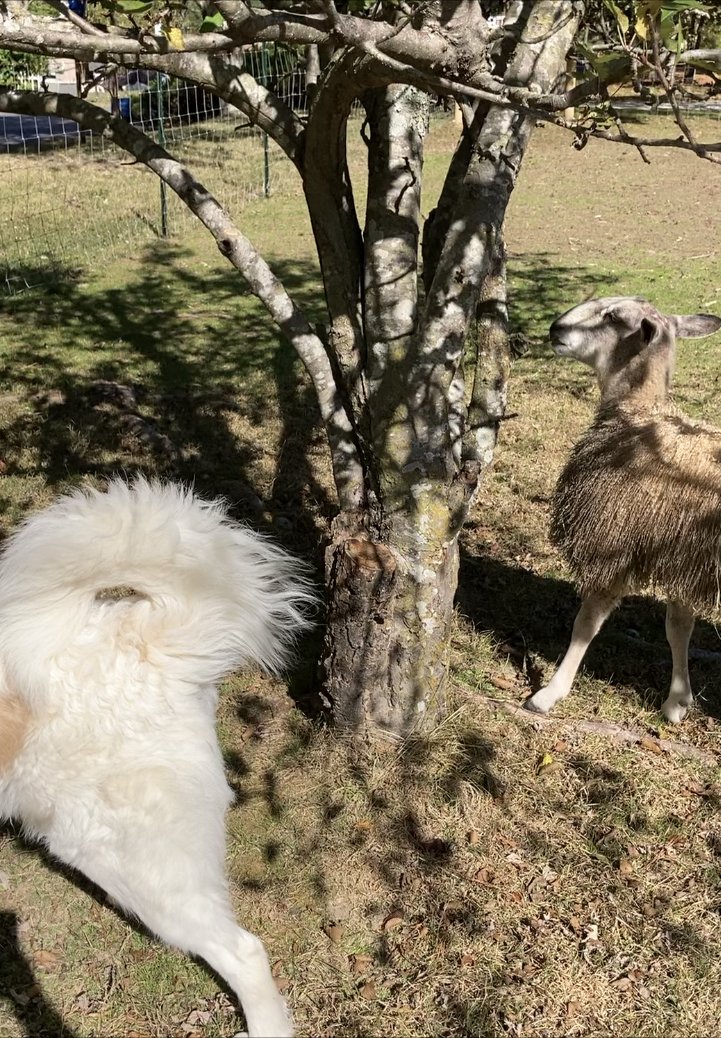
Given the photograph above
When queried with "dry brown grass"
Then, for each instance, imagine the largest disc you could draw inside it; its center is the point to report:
(489, 879)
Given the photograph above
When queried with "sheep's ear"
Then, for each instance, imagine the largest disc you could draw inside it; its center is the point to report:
(696, 326)
(651, 330)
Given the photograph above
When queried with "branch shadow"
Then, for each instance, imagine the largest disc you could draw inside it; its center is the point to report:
(19, 987)
(149, 377)
(532, 616)
(195, 373)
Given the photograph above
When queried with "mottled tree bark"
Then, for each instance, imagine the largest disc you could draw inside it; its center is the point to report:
(392, 571)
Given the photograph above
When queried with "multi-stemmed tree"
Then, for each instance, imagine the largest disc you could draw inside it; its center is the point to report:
(410, 370)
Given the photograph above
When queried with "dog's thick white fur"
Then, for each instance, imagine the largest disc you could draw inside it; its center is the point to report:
(108, 751)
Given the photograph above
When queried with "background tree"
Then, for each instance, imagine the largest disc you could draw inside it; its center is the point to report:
(411, 367)
(15, 65)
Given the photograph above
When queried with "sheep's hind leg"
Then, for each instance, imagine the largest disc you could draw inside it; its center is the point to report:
(679, 625)
(594, 611)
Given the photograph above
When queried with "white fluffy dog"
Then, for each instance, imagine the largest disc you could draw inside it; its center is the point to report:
(119, 614)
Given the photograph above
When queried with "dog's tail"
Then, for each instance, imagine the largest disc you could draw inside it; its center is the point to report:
(149, 564)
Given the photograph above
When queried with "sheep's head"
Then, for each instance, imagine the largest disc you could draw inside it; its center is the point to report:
(627, 341)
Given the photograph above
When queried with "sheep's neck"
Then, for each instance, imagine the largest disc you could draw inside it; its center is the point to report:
(643, 383)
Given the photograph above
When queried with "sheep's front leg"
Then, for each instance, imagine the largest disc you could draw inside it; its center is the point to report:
(679, 625)
(590, 618)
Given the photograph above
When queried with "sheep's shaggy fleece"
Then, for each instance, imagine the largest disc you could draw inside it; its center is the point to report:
(640, 483)
(119, 613)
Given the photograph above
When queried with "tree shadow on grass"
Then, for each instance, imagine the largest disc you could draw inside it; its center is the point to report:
(17, 982)
(193, 373)
(19, 987)
(205, 368)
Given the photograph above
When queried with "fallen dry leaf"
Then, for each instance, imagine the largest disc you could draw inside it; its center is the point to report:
(647, 743)
(393, 920)
(198, 1017)
(368, 990)
(360, 963)
(622, 984)
(485, 876)
(473, 838)
(22, 998)
(467, 959)
(46, 960)
(82, 1003)
(625, 867)
(550, 769)
(506, 684)
(334, 932)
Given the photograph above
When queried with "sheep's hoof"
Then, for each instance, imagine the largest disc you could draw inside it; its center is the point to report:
(674, 712)
(535, 703)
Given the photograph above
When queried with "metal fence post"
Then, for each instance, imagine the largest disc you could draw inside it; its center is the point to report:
(266, 167)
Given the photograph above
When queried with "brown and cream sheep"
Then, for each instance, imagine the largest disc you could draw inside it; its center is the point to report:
(637, 507)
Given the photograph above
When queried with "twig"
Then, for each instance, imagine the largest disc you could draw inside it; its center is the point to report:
(704, 151)
(77, 20)
(670, 92)
(607, 729)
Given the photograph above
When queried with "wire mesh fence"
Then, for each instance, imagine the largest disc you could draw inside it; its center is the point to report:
(69, 199)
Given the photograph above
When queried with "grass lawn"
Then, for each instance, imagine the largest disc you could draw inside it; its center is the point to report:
(497, 877)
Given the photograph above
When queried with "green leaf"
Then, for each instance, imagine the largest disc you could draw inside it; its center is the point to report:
(614, 67)
(212, 22)
(685, 5)
(133, 6)
(671, 31)
(618, 14)
(656, 7)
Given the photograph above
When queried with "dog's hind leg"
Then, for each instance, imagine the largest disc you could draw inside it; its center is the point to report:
(157, 847)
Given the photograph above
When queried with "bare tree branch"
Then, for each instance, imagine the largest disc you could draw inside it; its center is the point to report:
(416, 60)
(37, 37)
(700, 57)
(329, 195)
(702, 150)
(82, 23)
(223, 75)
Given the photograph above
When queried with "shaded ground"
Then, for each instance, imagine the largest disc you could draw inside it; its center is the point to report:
(490, 879)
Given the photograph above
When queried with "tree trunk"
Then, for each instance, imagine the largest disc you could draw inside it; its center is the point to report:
(389, 617)
(392, 568)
